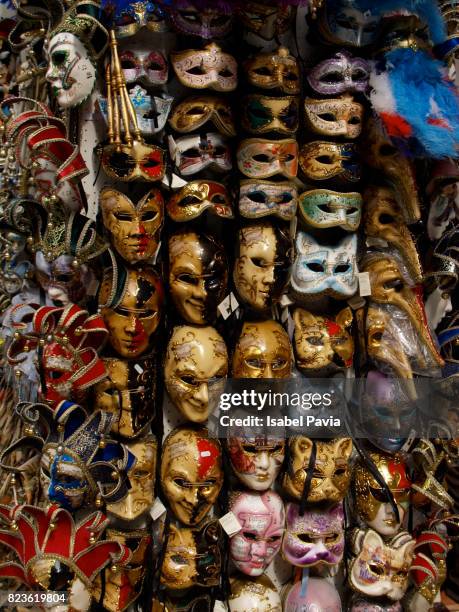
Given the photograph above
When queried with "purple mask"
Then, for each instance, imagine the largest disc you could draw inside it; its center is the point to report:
(339, 74)
(320, 596)
(315, 538)
(210, 22)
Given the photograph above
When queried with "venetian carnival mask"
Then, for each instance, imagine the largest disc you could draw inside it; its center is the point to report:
(274, 70)
(258, 198)
(334, 117)
(262, 114)
(252, 595)
(256, 460)
(133, 320)
(381, 569)
(341, 23)
(193, 113)
(195, 370)
(361, 604)
(322, 270)
(197, 275)
(371, 501)
(262, 519)
(63, 282)
(321, 160)
(263, 350)
(137, 15)
(191, 473)
(316, 538)
(340, 74)
(258, 158)
(137, 160)
(197, 197)
(196, 152)
(262, 266)
(210, 68)
(330, 470)
(323, 208)
(206, 22)
(145, 66)
(134, 228)
(266, 20)
(319, 596)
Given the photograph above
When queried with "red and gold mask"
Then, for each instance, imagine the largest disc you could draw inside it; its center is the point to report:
(197, 197)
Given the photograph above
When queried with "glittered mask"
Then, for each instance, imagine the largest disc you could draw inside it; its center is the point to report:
(195, 20)
(321, 160)
(334, 117)
(256, 460)
(197, 276)
(323, 208)
(193, 113)
(195, 370)
(262, 519)
(341, 24)
(258, 198)
(263, 114)
(339, 74)
(274, 70)
(191, 473)
(210, 68)
(254, 594)
(145, 66)
(319, 596)
(258, 158)
(266, 21)
(194, 153)
(135, 16)
(129, 162)
(361, 604)
(197, 197)
(63, 282)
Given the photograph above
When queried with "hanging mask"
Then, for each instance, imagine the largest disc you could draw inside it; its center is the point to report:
(263, 350)
(134, 228)
(197, 197)
(134, 316)
(321, 270)
(193, 113)
(63, 282)
(194, 153)
(361, 604)
(262, 520)
(210, 68)
(316, 538)
(198, 275)
(379, 568)
(262, 114)
(319, 596)
(208, 23)
(256, 460)
(258, 198)
(429, 482)
(195, 370)
(322, 160)
(262, 266)
(331, 473)
(372, 504)
(251, 595)
(145, 66)
(191, 473)
(130, 162)
(340, 74)
(443, 192)
(192, 557)
(258, 158)
(138, 15)
(334, 117)
(266, 21)
(323, 208)
(339, 23)
(274, 70)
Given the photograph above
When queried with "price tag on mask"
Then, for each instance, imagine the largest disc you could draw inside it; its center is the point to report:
(220, 606)
(230, 524)
(228, 306)
(364, 284)
(158, 509)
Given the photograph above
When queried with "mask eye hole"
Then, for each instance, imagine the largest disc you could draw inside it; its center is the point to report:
(182, 483)
(341, 471)
(220, 151)
(190, 380)
(325, 208)
(333, 77)
(190, 16)
(278, 364)
(386, 219)
(123, 216)
(352, 210)
(355, 120)
(249, 448)
(128, 63)
(149, 216)
(218, 199)
(263, 71)
(189, 279)
(324, 159)
(259, 262)
(305, 537)
(262, 157)
(191, 153)
(197, 70)
(327, 116)
(342, 268)
(396, 285)
(315, 267)
(248, 535)
(59, 58)
(376, 569)
(273, 539)
(315, 340)
(195, 110)
(220, 20)
(377, 337)
(387, 150)
(226, 73)
(359, 75)
(291, 76)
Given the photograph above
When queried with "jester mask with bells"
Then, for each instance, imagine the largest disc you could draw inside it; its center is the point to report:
(251, 594)
(330, 470)
(134, 227)
(74, 48)
(191, 473)
(256, 459)
(195, 370)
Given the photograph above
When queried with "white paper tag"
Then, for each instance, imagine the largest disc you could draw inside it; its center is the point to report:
(155, 256)
(293, 226)
(290, 326)
(364, 284)
(158, 509)
(284, 315)
(138, 368)
(230, 524)
(220, 606)
(285, 300)
(228, 305)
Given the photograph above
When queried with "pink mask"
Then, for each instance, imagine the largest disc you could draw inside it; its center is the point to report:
(339, 74)
(148, 67)
(262, 519)
(315, 538)
(320, 596)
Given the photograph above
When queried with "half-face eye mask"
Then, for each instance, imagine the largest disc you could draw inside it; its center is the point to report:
(267, 21)
(210, 68)
(361, 604)
(379, 568)
(316, 538)
(196, 197)
(251, 595)
(262, 520)
(195, 370)
(262, 114)
(191, 473)
(341, 24)
(320, 596)
(340, 74)
(149, 67)
(207, 23)
(194, 153)
(194, 112)
(137, 15)
(259, 158)
(321, 270)
(258, 198)
(330, 470)
(322, 161)
(323, 208)
(256, 460)
(129, 162)
(334, 117)
(274, 70)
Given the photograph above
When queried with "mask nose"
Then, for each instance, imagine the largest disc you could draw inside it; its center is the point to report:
(202, 394)
(259, 549)
(199, 290)
(131, 325)
(263, 460)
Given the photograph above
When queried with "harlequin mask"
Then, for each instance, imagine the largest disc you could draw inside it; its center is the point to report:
(194, 153)
(334, 117)
(148, 67)
(371, 501)
(198, 275)
(195, 20)
(258, 198)
(135, 316)
(191, 473)
(331, 474)
(210, 68)
(256, 461)
(193, 113)
(137, 15)
(262, 519)
(381, 568)
(342, 24)
(262, 266)
(196, 197)
(322, 270)
(259, 158)
(323, 208)
(264, 20)
(340, 74)
(192, 557)
(274, 70)
(316, 538)
(322, 160)
(196, 366)
(262, 114)
(320, 596)
(263, 350)
(251, 595)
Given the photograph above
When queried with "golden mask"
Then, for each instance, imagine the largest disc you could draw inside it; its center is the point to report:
(267, 21)
(254, 594)
(274, 70)
(334, 117)
(321, 160)
(199, 196)
(192, 113)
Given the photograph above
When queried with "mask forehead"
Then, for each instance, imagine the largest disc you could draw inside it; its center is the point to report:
(200, 350)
